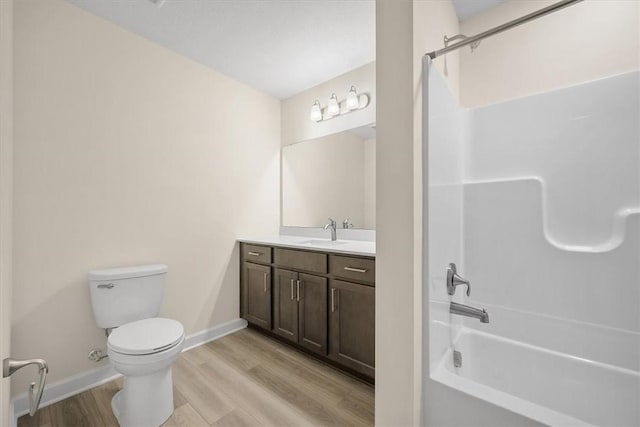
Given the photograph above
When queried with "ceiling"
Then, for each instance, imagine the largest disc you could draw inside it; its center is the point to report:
(465, 9)
(280, 47)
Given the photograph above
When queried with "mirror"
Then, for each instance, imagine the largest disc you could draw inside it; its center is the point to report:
(331, 177)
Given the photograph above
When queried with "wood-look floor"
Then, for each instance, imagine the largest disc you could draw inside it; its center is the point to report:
(243, 379)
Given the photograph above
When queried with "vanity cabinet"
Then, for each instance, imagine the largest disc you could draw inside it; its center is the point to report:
(352, 326)
(323, 303)
(255, 286)
(300, 309)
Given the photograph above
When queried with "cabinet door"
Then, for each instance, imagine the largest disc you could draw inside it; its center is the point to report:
(285, 304)
(313, 313)
(256, 294)
(352, 326)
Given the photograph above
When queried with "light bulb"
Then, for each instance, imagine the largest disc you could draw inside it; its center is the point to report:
(352, 99)
(316, 112)
(333, 109)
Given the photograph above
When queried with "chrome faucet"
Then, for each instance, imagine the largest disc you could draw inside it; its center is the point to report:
(332, 225)
(465, 310)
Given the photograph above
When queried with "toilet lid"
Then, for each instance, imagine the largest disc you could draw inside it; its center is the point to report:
(146, 336)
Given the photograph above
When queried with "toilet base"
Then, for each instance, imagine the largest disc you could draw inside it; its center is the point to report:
(144, 401)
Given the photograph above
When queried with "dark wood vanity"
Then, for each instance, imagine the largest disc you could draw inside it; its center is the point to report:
(320, 302)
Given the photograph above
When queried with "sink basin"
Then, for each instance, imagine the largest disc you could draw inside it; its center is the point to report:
(322, 242)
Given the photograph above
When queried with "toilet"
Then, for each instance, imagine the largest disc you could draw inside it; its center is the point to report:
(141, 346)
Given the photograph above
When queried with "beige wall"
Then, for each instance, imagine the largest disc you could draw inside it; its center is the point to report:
(296, 125)
(587, 41)
(369, 184)
(6, 196)
(404, 31)
(125, 154)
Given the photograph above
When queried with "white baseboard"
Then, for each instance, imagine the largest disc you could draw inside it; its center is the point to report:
(71, 386)
(207, 335)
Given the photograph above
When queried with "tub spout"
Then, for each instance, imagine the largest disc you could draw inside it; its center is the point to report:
(465, 310)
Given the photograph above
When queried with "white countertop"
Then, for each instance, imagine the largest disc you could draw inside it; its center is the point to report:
(349, 247)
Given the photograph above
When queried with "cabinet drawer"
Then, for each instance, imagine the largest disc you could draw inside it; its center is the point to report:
(359, 269)
(255, 253)
(301, 260)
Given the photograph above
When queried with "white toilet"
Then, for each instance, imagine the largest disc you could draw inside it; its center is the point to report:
(142, 347)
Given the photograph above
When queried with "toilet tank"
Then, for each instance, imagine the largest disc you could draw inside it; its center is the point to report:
(125, 294)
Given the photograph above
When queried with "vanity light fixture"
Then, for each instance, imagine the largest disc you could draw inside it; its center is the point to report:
(333, 108)
(316, 112)
(354, 101)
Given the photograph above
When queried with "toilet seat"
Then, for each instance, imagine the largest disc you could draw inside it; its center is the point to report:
(145, 337)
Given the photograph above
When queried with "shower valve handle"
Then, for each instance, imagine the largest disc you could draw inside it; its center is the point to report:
(453, 280)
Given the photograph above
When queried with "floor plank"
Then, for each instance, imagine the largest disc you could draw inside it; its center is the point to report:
(262, 403)
(103, 395)
(40, 418)
(236, 418)
(243, 379)
(206, 397)
(185, 416)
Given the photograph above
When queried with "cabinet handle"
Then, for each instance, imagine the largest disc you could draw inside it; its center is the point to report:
(265, 282)
(254, 253)
(291, 289)
(356, 270)
(333, 299)
(297, 290)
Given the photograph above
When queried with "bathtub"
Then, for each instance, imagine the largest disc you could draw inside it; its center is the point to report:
(543, 384)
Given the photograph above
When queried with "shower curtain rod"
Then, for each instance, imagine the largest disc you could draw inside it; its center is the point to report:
(500, 28)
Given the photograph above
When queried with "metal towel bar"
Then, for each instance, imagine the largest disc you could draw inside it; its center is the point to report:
(9, 366)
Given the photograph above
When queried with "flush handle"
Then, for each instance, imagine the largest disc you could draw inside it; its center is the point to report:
(105, 286)
(453, 280)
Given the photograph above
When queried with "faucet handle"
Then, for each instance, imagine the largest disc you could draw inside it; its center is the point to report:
(453, 280)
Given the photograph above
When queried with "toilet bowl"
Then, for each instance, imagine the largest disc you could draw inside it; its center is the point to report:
(143, 351)
(141, 346)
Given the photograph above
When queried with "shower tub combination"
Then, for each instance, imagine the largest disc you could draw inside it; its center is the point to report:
(549, 240)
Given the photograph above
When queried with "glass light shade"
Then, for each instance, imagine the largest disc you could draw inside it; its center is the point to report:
(333, 109)
(352, 99)
(316, 112)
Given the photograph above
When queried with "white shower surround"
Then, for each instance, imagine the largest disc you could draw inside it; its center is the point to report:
(537, 201)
